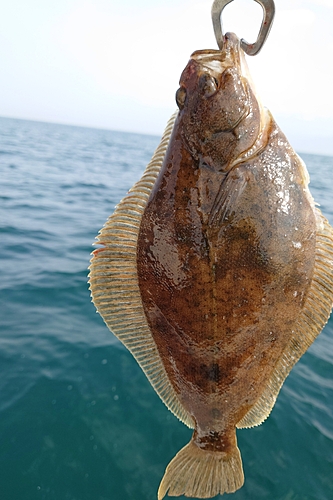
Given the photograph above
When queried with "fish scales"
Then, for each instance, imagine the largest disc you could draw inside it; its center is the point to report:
(229, 273)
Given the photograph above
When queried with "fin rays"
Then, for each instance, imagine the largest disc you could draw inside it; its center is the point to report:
(230, 190)
(114, 283)
(194, 472)
(316, 311)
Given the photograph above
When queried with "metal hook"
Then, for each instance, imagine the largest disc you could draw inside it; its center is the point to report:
(250, 48)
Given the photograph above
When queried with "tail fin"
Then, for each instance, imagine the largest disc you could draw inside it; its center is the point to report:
(197, 473)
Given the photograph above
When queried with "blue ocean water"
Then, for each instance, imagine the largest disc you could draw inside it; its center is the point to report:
(78, 419)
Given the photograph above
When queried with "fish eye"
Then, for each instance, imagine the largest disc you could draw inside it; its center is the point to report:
(180, 97)
(210, 85)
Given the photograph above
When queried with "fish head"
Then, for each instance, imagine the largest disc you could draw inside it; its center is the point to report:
(219, 113)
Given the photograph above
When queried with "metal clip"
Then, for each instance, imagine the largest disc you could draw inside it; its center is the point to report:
(250, 48)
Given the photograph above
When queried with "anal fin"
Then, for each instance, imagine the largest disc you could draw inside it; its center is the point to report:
(315, 313)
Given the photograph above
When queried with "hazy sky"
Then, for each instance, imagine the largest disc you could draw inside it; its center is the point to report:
(116, 64)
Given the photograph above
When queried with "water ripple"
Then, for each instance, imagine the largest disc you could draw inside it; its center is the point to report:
(78, 419)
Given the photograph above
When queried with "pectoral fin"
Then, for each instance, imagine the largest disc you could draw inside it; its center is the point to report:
(230, 191)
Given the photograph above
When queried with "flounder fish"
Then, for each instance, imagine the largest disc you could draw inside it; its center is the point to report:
(216, 270)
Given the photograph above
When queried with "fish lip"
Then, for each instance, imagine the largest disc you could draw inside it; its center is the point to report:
(215, 62)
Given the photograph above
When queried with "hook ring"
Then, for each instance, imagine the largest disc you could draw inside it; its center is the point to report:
(250, 48)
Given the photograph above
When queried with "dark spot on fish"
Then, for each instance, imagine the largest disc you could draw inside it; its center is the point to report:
(204, 375)
(216, 413)
(213, 372)
(214, 441)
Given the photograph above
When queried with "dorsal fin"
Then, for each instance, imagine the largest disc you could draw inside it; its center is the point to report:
(114, 282)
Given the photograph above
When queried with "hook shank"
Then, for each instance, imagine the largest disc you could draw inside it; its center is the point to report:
(250, 48)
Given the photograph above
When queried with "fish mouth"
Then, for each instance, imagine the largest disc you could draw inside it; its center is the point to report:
(215, 62)
(210, 62)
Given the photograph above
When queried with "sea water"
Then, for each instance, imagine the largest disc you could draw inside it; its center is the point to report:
(78, 419)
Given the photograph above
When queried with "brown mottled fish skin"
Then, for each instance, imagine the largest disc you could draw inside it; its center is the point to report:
(225, 254)
(223, 286)
(217, 268)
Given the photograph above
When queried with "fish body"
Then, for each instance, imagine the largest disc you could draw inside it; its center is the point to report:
(217, 268)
